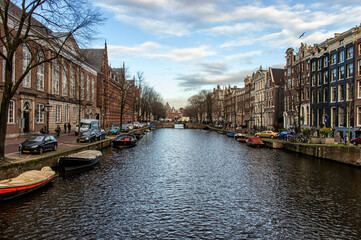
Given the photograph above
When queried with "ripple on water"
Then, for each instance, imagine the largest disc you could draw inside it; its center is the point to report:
(179, 184)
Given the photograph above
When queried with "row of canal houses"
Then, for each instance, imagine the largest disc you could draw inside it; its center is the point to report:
(79, 84)
(320, 85)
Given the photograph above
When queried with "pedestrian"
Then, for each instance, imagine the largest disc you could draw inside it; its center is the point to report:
(64, 127)
(69, 127)
(58, 130)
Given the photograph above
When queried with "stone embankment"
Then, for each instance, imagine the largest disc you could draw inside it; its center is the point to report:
(347, 154)
(19, 163)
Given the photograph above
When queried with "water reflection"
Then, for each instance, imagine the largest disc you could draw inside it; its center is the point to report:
(180, 183)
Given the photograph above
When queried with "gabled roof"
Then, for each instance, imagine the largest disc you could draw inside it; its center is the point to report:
(94, 57)
(277, 75)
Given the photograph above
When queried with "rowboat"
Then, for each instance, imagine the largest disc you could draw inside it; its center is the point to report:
(125, 141)
(255, 142)
(240, 137)
(25, 183)
(79, 160)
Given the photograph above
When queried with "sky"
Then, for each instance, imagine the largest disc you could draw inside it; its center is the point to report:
(185, 46)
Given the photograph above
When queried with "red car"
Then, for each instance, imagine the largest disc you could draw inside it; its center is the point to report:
(356, 141)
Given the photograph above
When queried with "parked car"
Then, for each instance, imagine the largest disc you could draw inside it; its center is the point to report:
(356, 141)
(125, 127)
(130, 126)
(114, 130)
(38, 143)
(100, 134)
(88, 136)
(136, 125)
(285, 135)
(267, 133)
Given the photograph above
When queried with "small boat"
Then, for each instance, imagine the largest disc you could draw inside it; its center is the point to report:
(138, 135)
(125, 141)
(79, 160)
(254, 142)
(25, 183)
(240, 137)
(231, 134)
(152, 127)
(206, 128)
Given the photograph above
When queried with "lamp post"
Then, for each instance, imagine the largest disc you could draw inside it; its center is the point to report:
(46, 109)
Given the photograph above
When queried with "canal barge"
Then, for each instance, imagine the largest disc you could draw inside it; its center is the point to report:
(25, 183)
(125, 141)
(79, 160)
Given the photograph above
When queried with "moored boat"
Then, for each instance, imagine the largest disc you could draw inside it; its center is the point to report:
(240, 137)
(79, 160)
(25, 183)
(125, 141)
(231, 134)
(254, 142)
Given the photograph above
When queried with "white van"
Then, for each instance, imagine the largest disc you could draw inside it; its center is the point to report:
(87, 124)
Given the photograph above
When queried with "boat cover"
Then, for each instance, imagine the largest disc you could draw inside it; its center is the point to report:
(28, 178)
(87, 154)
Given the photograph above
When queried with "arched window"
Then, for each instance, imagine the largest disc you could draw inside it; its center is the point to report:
(26, 62)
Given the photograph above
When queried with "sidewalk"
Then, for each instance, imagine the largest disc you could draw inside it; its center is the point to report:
(65, 140)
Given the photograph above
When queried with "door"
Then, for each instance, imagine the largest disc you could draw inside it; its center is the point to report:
(26, 122)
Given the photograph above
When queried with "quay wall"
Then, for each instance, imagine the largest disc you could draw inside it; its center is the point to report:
(14, 168)
(348, 154)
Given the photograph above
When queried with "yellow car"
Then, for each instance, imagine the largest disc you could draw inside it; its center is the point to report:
(267, 133)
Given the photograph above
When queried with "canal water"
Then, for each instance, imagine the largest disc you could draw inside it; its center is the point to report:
(193, 184)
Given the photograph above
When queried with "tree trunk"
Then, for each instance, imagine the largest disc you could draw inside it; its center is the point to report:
(3, 125)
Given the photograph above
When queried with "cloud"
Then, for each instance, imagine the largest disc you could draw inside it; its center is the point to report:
(199, 80)
(155, 50)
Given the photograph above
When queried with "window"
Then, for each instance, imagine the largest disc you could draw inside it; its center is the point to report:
(358, 116)
(333, 58)
(58, 114)
(82, 86)
(333, 94)
(325, 95)
(87, 88)
(65, 80)
(349, 53)
(359, 89)
(359, 67)
(66, 113)
(314, 66)
(348, 91)
(313, 96)
(74, 114)
(93, 90)
(333, 75)
(349, 70)
(341, 92)
(56, 77)
(26, 62)
(319, 65)
(341, 72)
(72, 82)
(342, 41)
(325, 77)
(289, 71)
(11, 112)
(341, 116)
(314, 80)
(319, 79)
(40, 73)
(40, 113)
(325, 61)
(341, 56)
(319, 96)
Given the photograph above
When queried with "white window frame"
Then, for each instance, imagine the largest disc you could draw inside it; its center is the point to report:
(11, 112)
(74, 114)
(66, 113)
(56, 77)
(65, 80)
(93, 89)
(72, 82)
(40, 117)
(58, 114)
(87, 88)
(26, 62)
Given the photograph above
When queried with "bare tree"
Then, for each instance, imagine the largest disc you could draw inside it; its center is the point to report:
(44, 27)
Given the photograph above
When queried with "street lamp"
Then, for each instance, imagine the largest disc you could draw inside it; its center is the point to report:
(46, 109)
